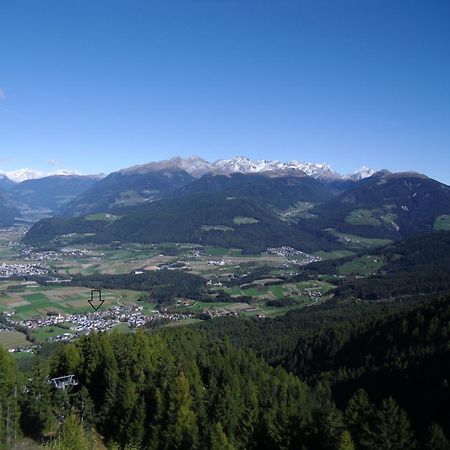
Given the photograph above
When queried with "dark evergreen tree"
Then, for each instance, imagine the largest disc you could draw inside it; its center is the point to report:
(391, 428)
(435, 438)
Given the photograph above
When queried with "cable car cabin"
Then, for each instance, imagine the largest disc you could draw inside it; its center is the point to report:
(63, 382)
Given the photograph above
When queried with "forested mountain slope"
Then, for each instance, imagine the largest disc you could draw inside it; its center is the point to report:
(125, 188)
(391, 205)
(215, 219)
(406, 357)
(8, 210)
(51, 193)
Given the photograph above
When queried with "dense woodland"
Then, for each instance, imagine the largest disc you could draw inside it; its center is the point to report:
(341, 377)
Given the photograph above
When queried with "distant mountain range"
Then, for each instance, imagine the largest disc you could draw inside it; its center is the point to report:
(236, 202)
(156, 180)
(40, 196)
(250, 205)
(19, 175)
(196, 167)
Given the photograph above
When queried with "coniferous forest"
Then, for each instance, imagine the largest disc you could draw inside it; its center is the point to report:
(342, 382)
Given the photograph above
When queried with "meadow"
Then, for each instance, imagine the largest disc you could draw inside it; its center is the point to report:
(9, 339)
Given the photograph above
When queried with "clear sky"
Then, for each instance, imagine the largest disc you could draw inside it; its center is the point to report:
(97, 85)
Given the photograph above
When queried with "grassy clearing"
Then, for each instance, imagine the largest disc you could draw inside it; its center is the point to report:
(216, 228)
(315, 285)
(179, 323)
(277, 291)
(365, 265)
(239, 220)
(10, 339)
(336, 254)
(42, 334)
(252, 292)
(216, 251)
(121, 328)
(200, 306)
(101, 216)
(442, 223)
(355, 241)
(362, 217)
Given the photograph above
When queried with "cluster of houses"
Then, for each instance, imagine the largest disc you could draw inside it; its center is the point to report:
(213, 262)
(20, 270)
(101, 320)
(295, 256)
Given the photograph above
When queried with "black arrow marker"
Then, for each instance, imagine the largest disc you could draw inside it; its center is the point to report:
(96, 299)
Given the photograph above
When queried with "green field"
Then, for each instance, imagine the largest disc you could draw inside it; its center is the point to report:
(365, 265)
(9, 339)
(442, 223)
(222, 251)
(315, 285)
(102, 216)
(354, 241)
(277, 291)
(121, 328)
(44, 333)
(362, 217)
(252, 292)
(336, 254)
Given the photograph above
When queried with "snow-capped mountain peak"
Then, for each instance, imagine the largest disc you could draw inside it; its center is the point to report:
(322, 170)
(363, 172)
(24, 174)
(197, 167)
(242, 164)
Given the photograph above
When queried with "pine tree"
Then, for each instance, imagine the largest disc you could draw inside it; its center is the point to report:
(436, 439)
(73, 436)
(328, 423)
(85, 407)
(392, 430)
(36, 404)
(182, 430)
(66, 360)
(346, 442)
(9, 407)
(359, 417)
(219, 440)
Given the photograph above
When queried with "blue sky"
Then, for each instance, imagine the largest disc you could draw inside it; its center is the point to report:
(99, 85)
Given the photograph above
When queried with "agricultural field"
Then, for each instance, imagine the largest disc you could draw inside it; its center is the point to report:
(336, 254)
(365, 265)
(10, 339)
(354, 241)
(29, 300)
(268, 299)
